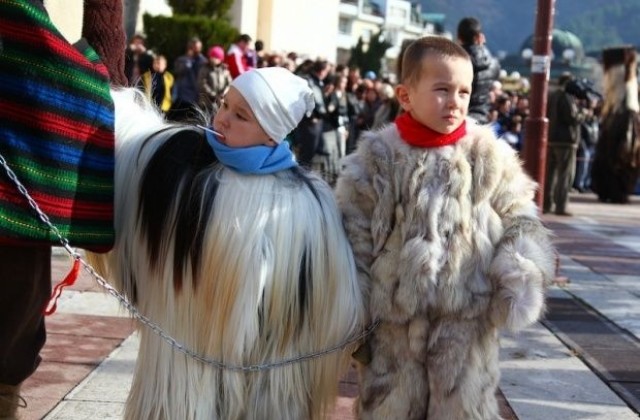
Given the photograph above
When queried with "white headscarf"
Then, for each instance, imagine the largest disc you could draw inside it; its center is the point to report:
(278, 98)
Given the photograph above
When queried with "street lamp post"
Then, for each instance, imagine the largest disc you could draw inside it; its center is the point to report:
(536, 124)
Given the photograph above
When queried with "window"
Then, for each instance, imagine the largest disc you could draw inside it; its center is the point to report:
(366, 35)
(344, 26)
(371, 8)
(398, 13)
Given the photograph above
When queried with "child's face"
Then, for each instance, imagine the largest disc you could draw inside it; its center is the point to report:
(440, 99)
(237, 123)
(159, 64)
(371, 94)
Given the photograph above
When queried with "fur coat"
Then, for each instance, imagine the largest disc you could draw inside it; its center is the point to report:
(616, 165)
(247, 270)
(449, 250)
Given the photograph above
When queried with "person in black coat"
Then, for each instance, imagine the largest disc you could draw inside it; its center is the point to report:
(308, 139)
(486, 68)
(137, 59)
(565, 118)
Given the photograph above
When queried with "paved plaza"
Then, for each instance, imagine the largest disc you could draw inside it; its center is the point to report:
(581, 361)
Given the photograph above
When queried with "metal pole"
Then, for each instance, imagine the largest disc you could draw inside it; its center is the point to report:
(537, 124)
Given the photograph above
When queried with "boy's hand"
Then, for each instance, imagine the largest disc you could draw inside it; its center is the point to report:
(519, 291)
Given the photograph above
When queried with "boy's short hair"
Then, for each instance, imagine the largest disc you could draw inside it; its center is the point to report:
(193, 41)
(319, 65)
(244, 38)
(415, 53)
(564, 78)
(468, 29)
(140, 36)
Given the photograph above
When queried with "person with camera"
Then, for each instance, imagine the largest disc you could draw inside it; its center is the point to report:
(137, 59)
(564, 135)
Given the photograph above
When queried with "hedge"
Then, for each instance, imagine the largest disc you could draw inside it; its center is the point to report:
(168, 35)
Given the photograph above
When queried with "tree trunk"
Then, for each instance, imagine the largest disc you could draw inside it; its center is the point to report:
(131, 10)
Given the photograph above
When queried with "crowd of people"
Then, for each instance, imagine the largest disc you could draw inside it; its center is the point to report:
(347, 101)
(350, 101)
(440, 241)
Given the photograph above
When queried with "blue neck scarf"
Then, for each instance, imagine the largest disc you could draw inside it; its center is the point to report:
(256, 160)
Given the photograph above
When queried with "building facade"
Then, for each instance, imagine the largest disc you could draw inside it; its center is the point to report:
(67, 16)
(311, 28)
(397, 20)
(308, 27)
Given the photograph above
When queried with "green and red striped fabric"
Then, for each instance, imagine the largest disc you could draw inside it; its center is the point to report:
(56, 133)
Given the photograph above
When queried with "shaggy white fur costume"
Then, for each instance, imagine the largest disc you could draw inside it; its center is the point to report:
(449, 250)
(242, 269)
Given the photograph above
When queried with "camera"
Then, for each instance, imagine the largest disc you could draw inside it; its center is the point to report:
(582, 89)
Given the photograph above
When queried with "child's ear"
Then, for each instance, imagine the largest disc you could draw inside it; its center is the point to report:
(402, 94)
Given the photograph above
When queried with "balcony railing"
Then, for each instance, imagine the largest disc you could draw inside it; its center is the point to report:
(371, 9)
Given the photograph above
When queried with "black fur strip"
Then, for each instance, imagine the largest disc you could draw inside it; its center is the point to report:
(192, 218)
(169, 179)
(305, 282)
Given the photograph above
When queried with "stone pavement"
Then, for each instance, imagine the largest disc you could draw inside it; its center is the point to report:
(582, 361)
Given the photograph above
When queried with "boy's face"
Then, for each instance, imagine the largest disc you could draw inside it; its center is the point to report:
(237, 123)
(440, 98)
(159, 64)
(195, 48)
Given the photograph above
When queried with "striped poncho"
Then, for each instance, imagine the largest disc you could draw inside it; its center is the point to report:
(56, 133)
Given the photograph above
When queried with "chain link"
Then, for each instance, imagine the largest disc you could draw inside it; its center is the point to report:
(155, 327)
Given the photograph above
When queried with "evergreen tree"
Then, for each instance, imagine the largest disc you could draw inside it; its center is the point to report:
(206, 19)
(212, 8)
(371, 58)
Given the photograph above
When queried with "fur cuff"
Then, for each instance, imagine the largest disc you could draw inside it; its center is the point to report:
(519, 290)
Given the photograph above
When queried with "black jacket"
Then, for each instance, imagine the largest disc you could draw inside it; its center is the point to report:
(486, 69)
(564, 118)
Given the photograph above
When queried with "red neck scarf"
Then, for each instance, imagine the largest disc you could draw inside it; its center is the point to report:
(419, 135)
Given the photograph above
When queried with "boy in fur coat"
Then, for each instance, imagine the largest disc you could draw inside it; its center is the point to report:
(448, 245)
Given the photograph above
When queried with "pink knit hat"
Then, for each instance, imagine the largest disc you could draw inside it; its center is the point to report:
(216, 52)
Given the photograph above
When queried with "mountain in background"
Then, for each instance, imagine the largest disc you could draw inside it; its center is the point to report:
(508, 23)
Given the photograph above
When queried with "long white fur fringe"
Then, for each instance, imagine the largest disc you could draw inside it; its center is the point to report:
(243, 303)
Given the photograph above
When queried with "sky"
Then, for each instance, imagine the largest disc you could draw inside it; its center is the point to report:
(155, 7)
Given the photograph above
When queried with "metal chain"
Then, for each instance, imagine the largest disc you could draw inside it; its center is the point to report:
(155, 327)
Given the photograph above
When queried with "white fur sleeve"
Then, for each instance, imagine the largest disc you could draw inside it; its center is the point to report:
(524, 261)
(355, 196)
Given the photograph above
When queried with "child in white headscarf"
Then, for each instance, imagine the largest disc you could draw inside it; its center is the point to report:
(237, 253)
